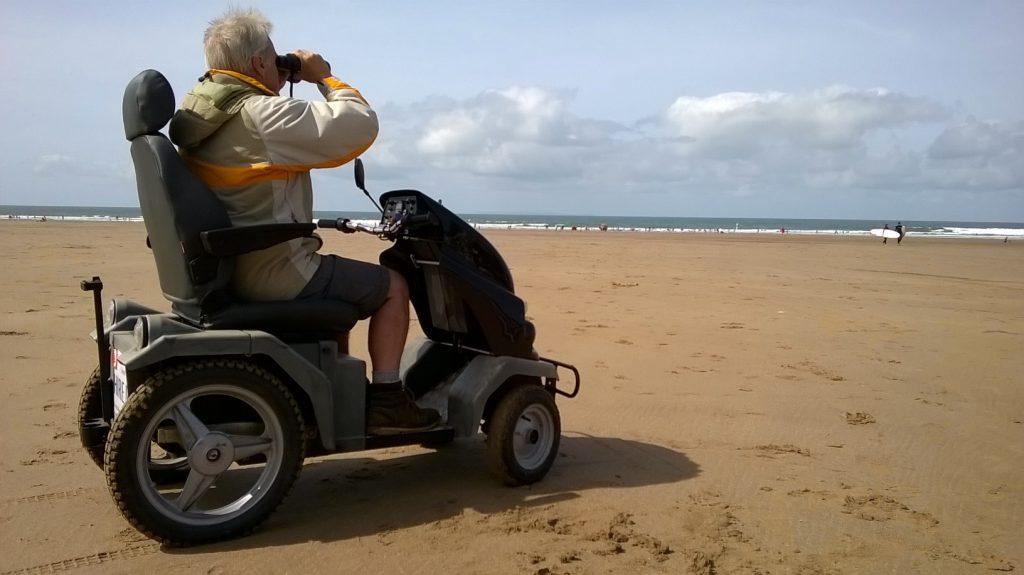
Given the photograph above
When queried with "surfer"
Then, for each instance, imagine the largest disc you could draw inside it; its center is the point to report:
(900, 231)
(885, 239)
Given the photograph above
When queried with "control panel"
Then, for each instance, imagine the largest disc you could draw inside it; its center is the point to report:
(398, 208)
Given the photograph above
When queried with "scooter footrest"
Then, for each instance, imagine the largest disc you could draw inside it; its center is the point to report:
(433, 436)
(93, 431)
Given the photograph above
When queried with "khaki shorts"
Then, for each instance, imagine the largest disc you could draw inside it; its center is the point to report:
(360, 284)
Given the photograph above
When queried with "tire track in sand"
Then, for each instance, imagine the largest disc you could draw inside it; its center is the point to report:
(100, 558)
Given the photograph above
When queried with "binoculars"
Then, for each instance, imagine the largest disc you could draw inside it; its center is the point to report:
(289, 63)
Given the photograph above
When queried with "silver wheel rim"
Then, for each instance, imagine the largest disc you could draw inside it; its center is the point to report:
(533, 436)
(168, 462)
(217, 488)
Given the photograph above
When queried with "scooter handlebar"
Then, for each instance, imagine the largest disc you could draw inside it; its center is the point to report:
(347, 226)
(343, 225)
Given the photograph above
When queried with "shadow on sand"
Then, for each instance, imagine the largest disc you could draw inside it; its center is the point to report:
(342, 498)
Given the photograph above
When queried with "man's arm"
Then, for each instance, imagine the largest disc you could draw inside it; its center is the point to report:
(301, 135)
(305, 135)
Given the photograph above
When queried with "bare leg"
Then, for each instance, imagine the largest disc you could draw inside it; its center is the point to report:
(391, 408)
(389, 326)
(342, 339)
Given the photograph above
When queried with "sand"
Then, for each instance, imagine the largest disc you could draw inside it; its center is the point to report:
(750, 404)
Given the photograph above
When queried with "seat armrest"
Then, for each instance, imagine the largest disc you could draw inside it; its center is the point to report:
(229, 242)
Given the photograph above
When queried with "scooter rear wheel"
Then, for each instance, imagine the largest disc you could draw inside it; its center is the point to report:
(90, 407)
(523, 435)
(242, 434)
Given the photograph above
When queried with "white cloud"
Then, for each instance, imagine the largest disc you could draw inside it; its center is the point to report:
(745, 123)
(745, 144)
(51, 163)
(60, 165)
(832, 139)
(978, 155)
(521, 132)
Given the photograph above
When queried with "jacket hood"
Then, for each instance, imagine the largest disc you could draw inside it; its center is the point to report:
(207, 107)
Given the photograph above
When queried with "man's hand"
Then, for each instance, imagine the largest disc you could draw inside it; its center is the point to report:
(314, 67)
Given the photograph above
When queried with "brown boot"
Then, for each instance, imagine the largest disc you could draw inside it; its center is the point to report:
(391, 410)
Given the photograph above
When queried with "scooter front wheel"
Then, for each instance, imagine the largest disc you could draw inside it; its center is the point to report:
(523, 435)
(241, 432)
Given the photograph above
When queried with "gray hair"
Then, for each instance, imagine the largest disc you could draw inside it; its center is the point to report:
(233, 39)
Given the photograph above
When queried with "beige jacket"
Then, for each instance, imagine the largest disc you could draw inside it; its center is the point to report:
(255, 150)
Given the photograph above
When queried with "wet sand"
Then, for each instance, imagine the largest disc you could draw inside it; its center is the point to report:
(750, 404)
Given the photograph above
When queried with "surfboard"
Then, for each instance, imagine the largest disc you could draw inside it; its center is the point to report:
(884, 233)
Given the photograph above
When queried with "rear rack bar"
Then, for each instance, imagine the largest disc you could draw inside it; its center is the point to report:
(572, 368)
(95, 285)
(575, 372)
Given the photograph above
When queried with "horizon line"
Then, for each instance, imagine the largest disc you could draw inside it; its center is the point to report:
(555, 214)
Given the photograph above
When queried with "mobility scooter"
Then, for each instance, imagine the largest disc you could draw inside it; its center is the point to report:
(201, 416)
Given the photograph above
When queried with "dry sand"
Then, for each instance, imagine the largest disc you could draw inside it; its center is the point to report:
(751, 404)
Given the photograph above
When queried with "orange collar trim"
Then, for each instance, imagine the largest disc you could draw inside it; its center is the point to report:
(247, 79)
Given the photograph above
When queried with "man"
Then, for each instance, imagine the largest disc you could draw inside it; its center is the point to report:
(901, 231)
(884, 239)
(255, 149)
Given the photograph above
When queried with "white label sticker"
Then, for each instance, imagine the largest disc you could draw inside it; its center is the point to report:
(120, 377)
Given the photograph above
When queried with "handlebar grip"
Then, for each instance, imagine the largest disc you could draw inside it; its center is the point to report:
(332, 224)
(343, 225)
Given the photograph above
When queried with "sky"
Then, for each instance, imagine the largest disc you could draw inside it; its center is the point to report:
(864, 110)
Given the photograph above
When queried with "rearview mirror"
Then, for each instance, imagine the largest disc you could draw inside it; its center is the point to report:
(360, 177)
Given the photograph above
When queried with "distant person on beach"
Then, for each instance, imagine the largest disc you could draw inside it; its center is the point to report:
(901, 231)
(255, 149)
(885, 239)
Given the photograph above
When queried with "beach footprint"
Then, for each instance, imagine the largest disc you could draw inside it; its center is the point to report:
(859, 418)
(772, 449)
(808, 366)
(876, 507)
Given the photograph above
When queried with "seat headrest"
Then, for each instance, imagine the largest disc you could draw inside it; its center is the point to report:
(148, 104)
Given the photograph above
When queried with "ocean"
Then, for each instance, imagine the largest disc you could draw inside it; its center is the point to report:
(653, 224)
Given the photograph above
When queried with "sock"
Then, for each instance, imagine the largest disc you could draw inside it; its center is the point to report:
(386, 377)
